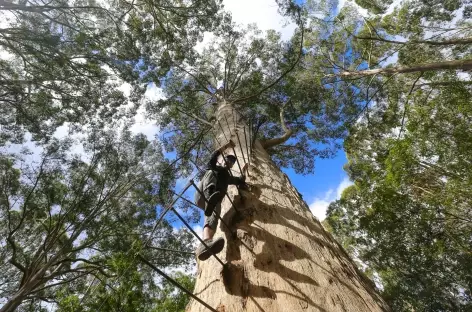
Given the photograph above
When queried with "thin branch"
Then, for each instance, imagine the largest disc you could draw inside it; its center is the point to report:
(443, 83)
(369, 100)
(195, 117)
(197, 80)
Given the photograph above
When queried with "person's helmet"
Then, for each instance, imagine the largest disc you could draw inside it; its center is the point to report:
(231, 158)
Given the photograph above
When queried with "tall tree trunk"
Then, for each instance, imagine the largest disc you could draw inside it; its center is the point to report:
(280, 258)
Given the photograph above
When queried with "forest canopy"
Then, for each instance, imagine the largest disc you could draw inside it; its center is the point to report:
(388, 82)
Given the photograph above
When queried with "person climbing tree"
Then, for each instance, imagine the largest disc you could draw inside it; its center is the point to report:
(213, 187)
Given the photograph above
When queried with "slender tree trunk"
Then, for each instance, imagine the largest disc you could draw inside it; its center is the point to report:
(30, 283)
(280, 258)
(457, 64)
(14, 302)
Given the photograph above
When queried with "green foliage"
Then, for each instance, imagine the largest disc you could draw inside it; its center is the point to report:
(80, 222)
(408, 216)
(376, 7)
(259, 75)
(72, 220)
(65, 61)
(172, 299)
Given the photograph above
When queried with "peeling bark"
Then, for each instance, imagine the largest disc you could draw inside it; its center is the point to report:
(278, 256)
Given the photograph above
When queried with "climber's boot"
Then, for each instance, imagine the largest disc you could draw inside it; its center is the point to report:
(214, 246)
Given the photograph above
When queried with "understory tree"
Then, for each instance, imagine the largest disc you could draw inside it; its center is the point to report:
(79, 204)
(70, 227)
(408, 216)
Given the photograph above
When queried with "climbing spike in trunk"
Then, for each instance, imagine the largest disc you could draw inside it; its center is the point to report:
(279, 258)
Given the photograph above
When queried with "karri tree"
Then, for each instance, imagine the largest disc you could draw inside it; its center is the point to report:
(278, 256)
(411, 167)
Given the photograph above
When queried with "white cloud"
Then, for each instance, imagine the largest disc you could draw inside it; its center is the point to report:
(6, 17)
(464, 76)
(345, 183)
(142, 123)
(264, 13)
(318, 208)
(33, 157)
(126, 89)
(153, 93)
(320, 204)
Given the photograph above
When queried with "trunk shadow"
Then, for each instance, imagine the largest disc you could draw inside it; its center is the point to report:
(235, 277)
(274, 250)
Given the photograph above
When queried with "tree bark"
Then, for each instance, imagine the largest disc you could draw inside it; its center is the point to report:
(278, 256)
(456, 64)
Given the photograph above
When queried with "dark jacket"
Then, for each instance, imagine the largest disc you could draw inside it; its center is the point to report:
(223, 175)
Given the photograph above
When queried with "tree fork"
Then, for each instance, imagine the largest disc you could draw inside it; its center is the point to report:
(281, 259)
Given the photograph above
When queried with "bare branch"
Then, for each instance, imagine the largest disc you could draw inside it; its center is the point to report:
(276, 141)
(446, 65)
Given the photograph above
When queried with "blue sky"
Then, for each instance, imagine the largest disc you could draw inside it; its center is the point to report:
(324, 186)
